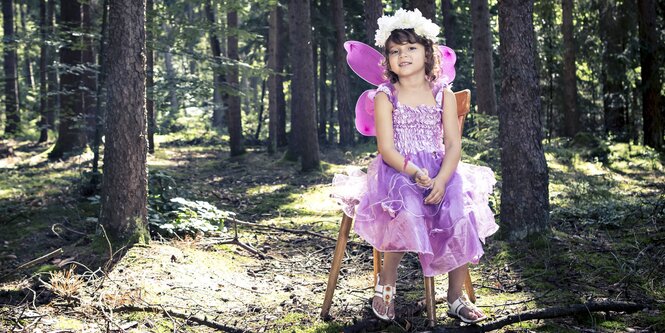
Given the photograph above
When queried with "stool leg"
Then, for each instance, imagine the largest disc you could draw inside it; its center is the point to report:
(469, 286)
(376, 256)
(430, 302)
(340, 247)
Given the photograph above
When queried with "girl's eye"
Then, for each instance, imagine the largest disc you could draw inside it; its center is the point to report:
(412, 48)
(393, 52)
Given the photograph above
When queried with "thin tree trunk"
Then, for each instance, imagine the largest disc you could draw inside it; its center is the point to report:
(482, 57)
(449, 23)
(261, 107)
(27, 63)
(219, 78)
(323, 95)
(71, 130)
(52, 59)
(170, 78)
(150, 75)
(570, 113)
(235, 116)
(125, 180)
(89, 74)
(303, 141)
(373, 11)
(524, 194)
(43, 100)
(613, 74)
(346, 127)
(12, 115)
(102, 59)
(274, 80)
(426, 7)
(652, 112)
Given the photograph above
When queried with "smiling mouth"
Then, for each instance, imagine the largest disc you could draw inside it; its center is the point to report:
(402, 64)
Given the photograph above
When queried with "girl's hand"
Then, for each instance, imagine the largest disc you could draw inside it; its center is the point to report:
(423, 179)
(438, 192)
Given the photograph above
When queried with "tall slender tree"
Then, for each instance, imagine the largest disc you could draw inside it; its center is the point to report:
(43, 54)
(570, 112)
(71, 130)
(52, 74)
(652, 85)
(89, 74)
(303, 142)
(344, 112)
(483, 65)
(125, 179)
(449, 23)
(219, 77)
(613, 78)
(150, 74)
(524, 194)
(276, 112)
(373, 10)
(12, 115)
(234, 115)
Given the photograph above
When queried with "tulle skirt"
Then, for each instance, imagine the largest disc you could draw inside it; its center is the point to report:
(390, 214)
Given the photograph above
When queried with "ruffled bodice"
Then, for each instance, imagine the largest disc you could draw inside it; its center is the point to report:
(416, 128)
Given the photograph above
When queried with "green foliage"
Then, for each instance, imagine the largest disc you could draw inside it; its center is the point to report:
(170, 214)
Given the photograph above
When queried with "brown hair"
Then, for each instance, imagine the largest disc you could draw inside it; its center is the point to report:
(403, 36)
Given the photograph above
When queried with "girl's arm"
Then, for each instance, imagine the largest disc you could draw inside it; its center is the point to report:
(453, 142)
(383, 119)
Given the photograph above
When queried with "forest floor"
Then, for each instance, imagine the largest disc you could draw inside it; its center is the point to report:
(606, 243)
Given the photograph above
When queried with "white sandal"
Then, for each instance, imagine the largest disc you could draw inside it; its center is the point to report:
(387, 294)
(455, 310)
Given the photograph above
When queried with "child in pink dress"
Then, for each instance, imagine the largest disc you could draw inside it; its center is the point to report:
(417, 196)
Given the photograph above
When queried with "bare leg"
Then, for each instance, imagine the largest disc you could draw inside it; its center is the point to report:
(388, 276)
(455, 283)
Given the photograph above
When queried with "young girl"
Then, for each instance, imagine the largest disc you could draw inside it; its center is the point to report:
(417, 196)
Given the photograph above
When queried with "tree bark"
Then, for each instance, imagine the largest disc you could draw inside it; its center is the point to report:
(125, 181)
(219, 78)
(524, 194)
(12, 115)
(170, 77)
(71, 130)
(89, 80)
(482, 57)
(570, 114)
(235, 116)
(303, 142)
(652, 112)
(27, 62)
(426, 7)
(150, 75)
(324, 92)
(449, 23)
(613, 76)
(373, 11)
(52, 58)
(102, 59)
(43, 54)
(345, 114)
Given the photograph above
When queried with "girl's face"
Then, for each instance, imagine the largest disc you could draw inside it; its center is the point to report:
(406, 59)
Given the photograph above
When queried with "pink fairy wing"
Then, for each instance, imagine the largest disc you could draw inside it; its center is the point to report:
(365, 61)
(448, 59)
(365, 113)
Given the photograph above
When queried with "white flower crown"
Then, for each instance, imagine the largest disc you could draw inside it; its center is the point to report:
(405, 19)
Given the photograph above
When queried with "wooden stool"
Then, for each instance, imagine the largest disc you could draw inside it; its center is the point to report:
(463, 105)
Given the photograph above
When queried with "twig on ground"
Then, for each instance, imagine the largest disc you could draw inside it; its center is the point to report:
(201, 321)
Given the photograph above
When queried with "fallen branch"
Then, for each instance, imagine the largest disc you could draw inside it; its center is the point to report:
(34, 262)
(201, 321)
(555, 312)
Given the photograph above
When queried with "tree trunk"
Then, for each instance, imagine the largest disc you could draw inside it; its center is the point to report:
(524, 194)
(170, 77)
(102, 59)
(150, 75)
(482, 57)
(219, 78)
(373, 10)
(303, 141)
(261, 107)
(12, 116)
(71, 130)
(323, 88)
(43, 100)
(449, 23)
(427, 7)
(235, 117)
(652, 112)
(613, 74)
(52, 58)
(345, 114)
(125, 180)
(570, 114)
(276, 109)
(89, 74)
(27, 62)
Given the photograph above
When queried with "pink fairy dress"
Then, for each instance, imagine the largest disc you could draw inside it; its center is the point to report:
(388, 206)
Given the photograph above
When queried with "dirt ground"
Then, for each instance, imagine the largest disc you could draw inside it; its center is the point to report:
(198, 284)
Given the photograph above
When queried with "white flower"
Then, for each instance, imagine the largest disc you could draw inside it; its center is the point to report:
(405, 19)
